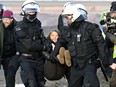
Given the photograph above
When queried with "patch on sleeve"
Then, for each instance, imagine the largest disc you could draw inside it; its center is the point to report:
(18, 28)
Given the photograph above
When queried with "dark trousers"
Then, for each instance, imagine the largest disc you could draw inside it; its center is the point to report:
(32, 72)
(67, 74)
(85, 77)
(10, 67)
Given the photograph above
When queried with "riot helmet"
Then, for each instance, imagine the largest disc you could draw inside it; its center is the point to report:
(73, 13)
(2, 8)
(66, 4)
(82, 9)
(30, 8)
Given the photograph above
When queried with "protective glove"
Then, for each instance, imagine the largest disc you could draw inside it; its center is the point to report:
(46, 55)
(47, 48)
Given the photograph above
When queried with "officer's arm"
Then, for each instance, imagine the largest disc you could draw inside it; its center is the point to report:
(101, 45)
(60, 23)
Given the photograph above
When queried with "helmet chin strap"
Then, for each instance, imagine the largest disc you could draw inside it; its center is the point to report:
(31, 18)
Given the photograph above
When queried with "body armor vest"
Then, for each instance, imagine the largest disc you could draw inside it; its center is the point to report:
(28, 35)
(81, 44)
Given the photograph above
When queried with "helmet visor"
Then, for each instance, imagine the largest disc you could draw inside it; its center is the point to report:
(83, 13)
(27, 10)
(31, 8)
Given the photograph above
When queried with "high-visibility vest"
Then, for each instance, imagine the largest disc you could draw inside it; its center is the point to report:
(114, 53)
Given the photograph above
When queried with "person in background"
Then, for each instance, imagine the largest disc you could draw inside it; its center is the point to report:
(109, 29)
(8, 57)
(2, 8)
(110, 45)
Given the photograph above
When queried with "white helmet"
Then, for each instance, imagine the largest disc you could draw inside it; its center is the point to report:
(82, 9)
(71, 10)
(30, 6)
(66, 4)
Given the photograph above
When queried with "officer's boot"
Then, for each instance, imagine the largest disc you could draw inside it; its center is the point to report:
(60, 56)
(67, 58)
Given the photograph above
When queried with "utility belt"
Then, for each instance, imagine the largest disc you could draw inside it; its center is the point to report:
(30, 56)
(81, 63)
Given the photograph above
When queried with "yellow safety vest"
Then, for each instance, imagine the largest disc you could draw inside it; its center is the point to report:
(114, 53)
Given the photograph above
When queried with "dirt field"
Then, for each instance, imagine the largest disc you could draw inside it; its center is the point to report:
(48, 16)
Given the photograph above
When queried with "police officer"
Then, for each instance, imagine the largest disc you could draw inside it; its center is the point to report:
(8, 57)
(2, 8)
(29, 38)
(63, 22)
(84, 41)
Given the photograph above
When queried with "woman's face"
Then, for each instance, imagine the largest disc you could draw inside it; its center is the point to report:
(54, 36)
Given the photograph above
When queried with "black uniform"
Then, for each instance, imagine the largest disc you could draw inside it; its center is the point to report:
(84, 41)
(29, 38)
(8, 58)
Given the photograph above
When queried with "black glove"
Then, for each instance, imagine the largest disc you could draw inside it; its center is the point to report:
(49, 56)
(46, 55)
(47, 47)
(62, 21)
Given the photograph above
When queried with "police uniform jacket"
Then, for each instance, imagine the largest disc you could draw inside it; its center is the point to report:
(90, 42)
(29, 36)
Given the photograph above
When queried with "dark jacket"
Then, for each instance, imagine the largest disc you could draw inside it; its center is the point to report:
(48, 44)
(111, 41)
(91, 41)
(7, 39)
(29, 36)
